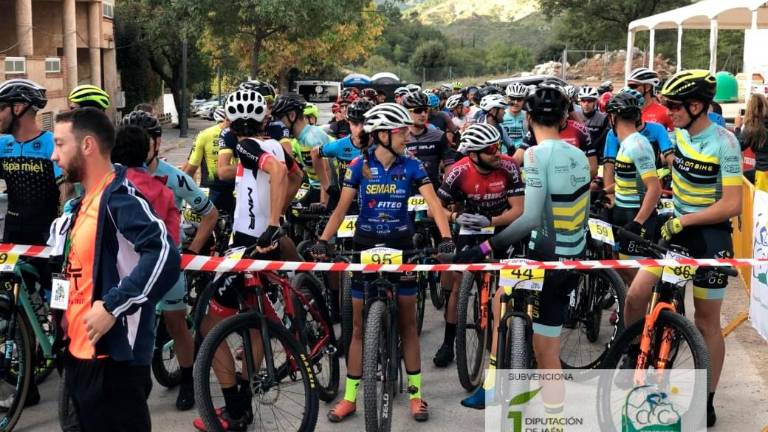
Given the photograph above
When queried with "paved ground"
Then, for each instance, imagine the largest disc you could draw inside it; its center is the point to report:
(741, 399)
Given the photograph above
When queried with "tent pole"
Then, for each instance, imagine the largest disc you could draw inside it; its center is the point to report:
(628, 65)
(713, 46)
(679, 47)
(651, 48)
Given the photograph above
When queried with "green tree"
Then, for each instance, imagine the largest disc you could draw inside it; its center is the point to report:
(429, 55)
(507, 58)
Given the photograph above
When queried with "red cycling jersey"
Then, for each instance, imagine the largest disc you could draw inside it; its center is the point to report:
(485, 194)
(658, 113)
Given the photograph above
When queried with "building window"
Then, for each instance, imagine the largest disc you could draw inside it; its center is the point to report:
(52, 65)
(15, 65)
(47, 121)
(109, 9)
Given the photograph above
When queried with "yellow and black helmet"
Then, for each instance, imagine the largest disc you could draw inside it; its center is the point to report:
(697, 84)
(88, 95)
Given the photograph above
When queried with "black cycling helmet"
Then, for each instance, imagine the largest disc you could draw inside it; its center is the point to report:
(488, 90)
(286, 104)
(23, 91)
(145, 121)
(547, 100)
(265, 89)
(370, 93)
(625, 106)
(696, 84)
(415, 99)
(357, 109)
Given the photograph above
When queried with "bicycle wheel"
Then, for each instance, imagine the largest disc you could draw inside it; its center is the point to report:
(436, 292)
(470, 336)
(68, 420)
(346, 312)
(379, 362)
(421, 300)
(200, 310)
(316, 334)
(289, 403)
(595, 318)
(13, 395)
(165, 364)
(43, 365)
(518, 354)
(690, 352)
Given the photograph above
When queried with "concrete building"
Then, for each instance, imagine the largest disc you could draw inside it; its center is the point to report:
(59, 44)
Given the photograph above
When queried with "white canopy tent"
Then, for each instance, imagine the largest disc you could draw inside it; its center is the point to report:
(711, 14)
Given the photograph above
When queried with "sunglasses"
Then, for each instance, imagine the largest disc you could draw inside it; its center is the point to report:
(400, 130)
(420, 110)
(491, 149)
(516, 100)
(673, 105)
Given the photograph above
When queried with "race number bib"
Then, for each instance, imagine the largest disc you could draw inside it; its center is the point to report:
(522, 278)
(665, 207)
(417, 203)
(601, 231)
(8, 262)
(484, 231)
(302, 192)
(347, 227)
(677, 274)
(381, 255)
(235, 253)
(190, 216)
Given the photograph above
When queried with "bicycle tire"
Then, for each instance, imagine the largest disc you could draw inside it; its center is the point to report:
(24, 364)
(421, 300)
(43, 366)
(68, 420)
(470, 369)
(295, 366)
(519, 344)
(583, 347)
(378, 405)
(681, 326)
(436, 292)
(162, 355)
(346, 312)
(199, 311)
(308, 284)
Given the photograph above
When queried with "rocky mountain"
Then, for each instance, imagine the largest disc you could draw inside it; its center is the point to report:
(450, 11)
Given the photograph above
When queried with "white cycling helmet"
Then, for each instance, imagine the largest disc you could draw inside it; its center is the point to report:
(400, 91)
(516, 90)
(386, 116)
(493, 101)
(478, 136)
(571, 91)
(219, 115)
(588, 92)
(454, 101)
(644, 75)
(413, 87)
(247, 105)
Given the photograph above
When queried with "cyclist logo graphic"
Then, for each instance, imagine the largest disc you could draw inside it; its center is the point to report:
(646, 409)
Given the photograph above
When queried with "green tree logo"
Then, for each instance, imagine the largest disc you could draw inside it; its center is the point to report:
(517, 416)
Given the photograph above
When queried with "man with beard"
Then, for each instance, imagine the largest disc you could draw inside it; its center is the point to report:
(119, 261)
(429, 145)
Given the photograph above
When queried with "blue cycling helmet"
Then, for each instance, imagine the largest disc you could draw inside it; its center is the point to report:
(636, 94)
(434, 100)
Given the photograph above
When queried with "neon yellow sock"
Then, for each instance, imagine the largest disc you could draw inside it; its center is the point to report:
(414, 385)
(350, 389)
(490, 374)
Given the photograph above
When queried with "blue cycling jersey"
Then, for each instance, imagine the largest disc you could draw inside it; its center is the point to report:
(515, 127)
(655, 133)
(31, 178)
(383, 198)
(343, 151)
(184, 189)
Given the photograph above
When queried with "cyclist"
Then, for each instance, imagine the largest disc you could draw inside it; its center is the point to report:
(34, 182)
(456, 105)
(399, 93)
(440, 119)
(637, 187)
(339, 128)
(493, 108)
(557, 182)
(514, 119)
(290, 110)
(456, 87)
(88, 95)
(596, 121)
(260, 202)
(606, 93)
(311, 113)
(344, 150)
(205, 155)
(386, 176)
(486, 190)
(706, 180)
(429, 145)
(646, 81)
(275, 129)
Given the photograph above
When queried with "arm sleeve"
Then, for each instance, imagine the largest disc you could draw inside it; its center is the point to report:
(198, 150)
(419, 175)
(330, 150)
(644, 160)
(662, 137)
(730, 159)
(194, 196)
(250, 152)
(449, 191)
(516, 187)
(354, 173)
(611, 148)
(158, 267)
(535, 199)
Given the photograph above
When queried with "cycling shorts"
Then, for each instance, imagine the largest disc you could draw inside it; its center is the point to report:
(628, 249)
(405, 281)
(174, 299)
(707, 241)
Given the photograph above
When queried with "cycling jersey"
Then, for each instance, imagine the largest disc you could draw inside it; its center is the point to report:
(205, 154)
(507, 147)
(277, 130)
(658, 113)
(340, 129)
(515, 126)
(309, 138)
(184, 189)
(603, 101)
(485, 194)
(31, 178)
(703, 165)
(459, 121)
(557, 183)
(656, 135)
(344, 152)
(634, 163)
(574, 133)
(597, 124)
(431, 147)
(441, 121)
(253, 204)
(383, 198)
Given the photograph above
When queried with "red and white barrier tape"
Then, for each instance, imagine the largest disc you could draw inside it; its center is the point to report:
(218, 264)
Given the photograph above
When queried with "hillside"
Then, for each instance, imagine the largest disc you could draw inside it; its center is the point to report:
(449, 11)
